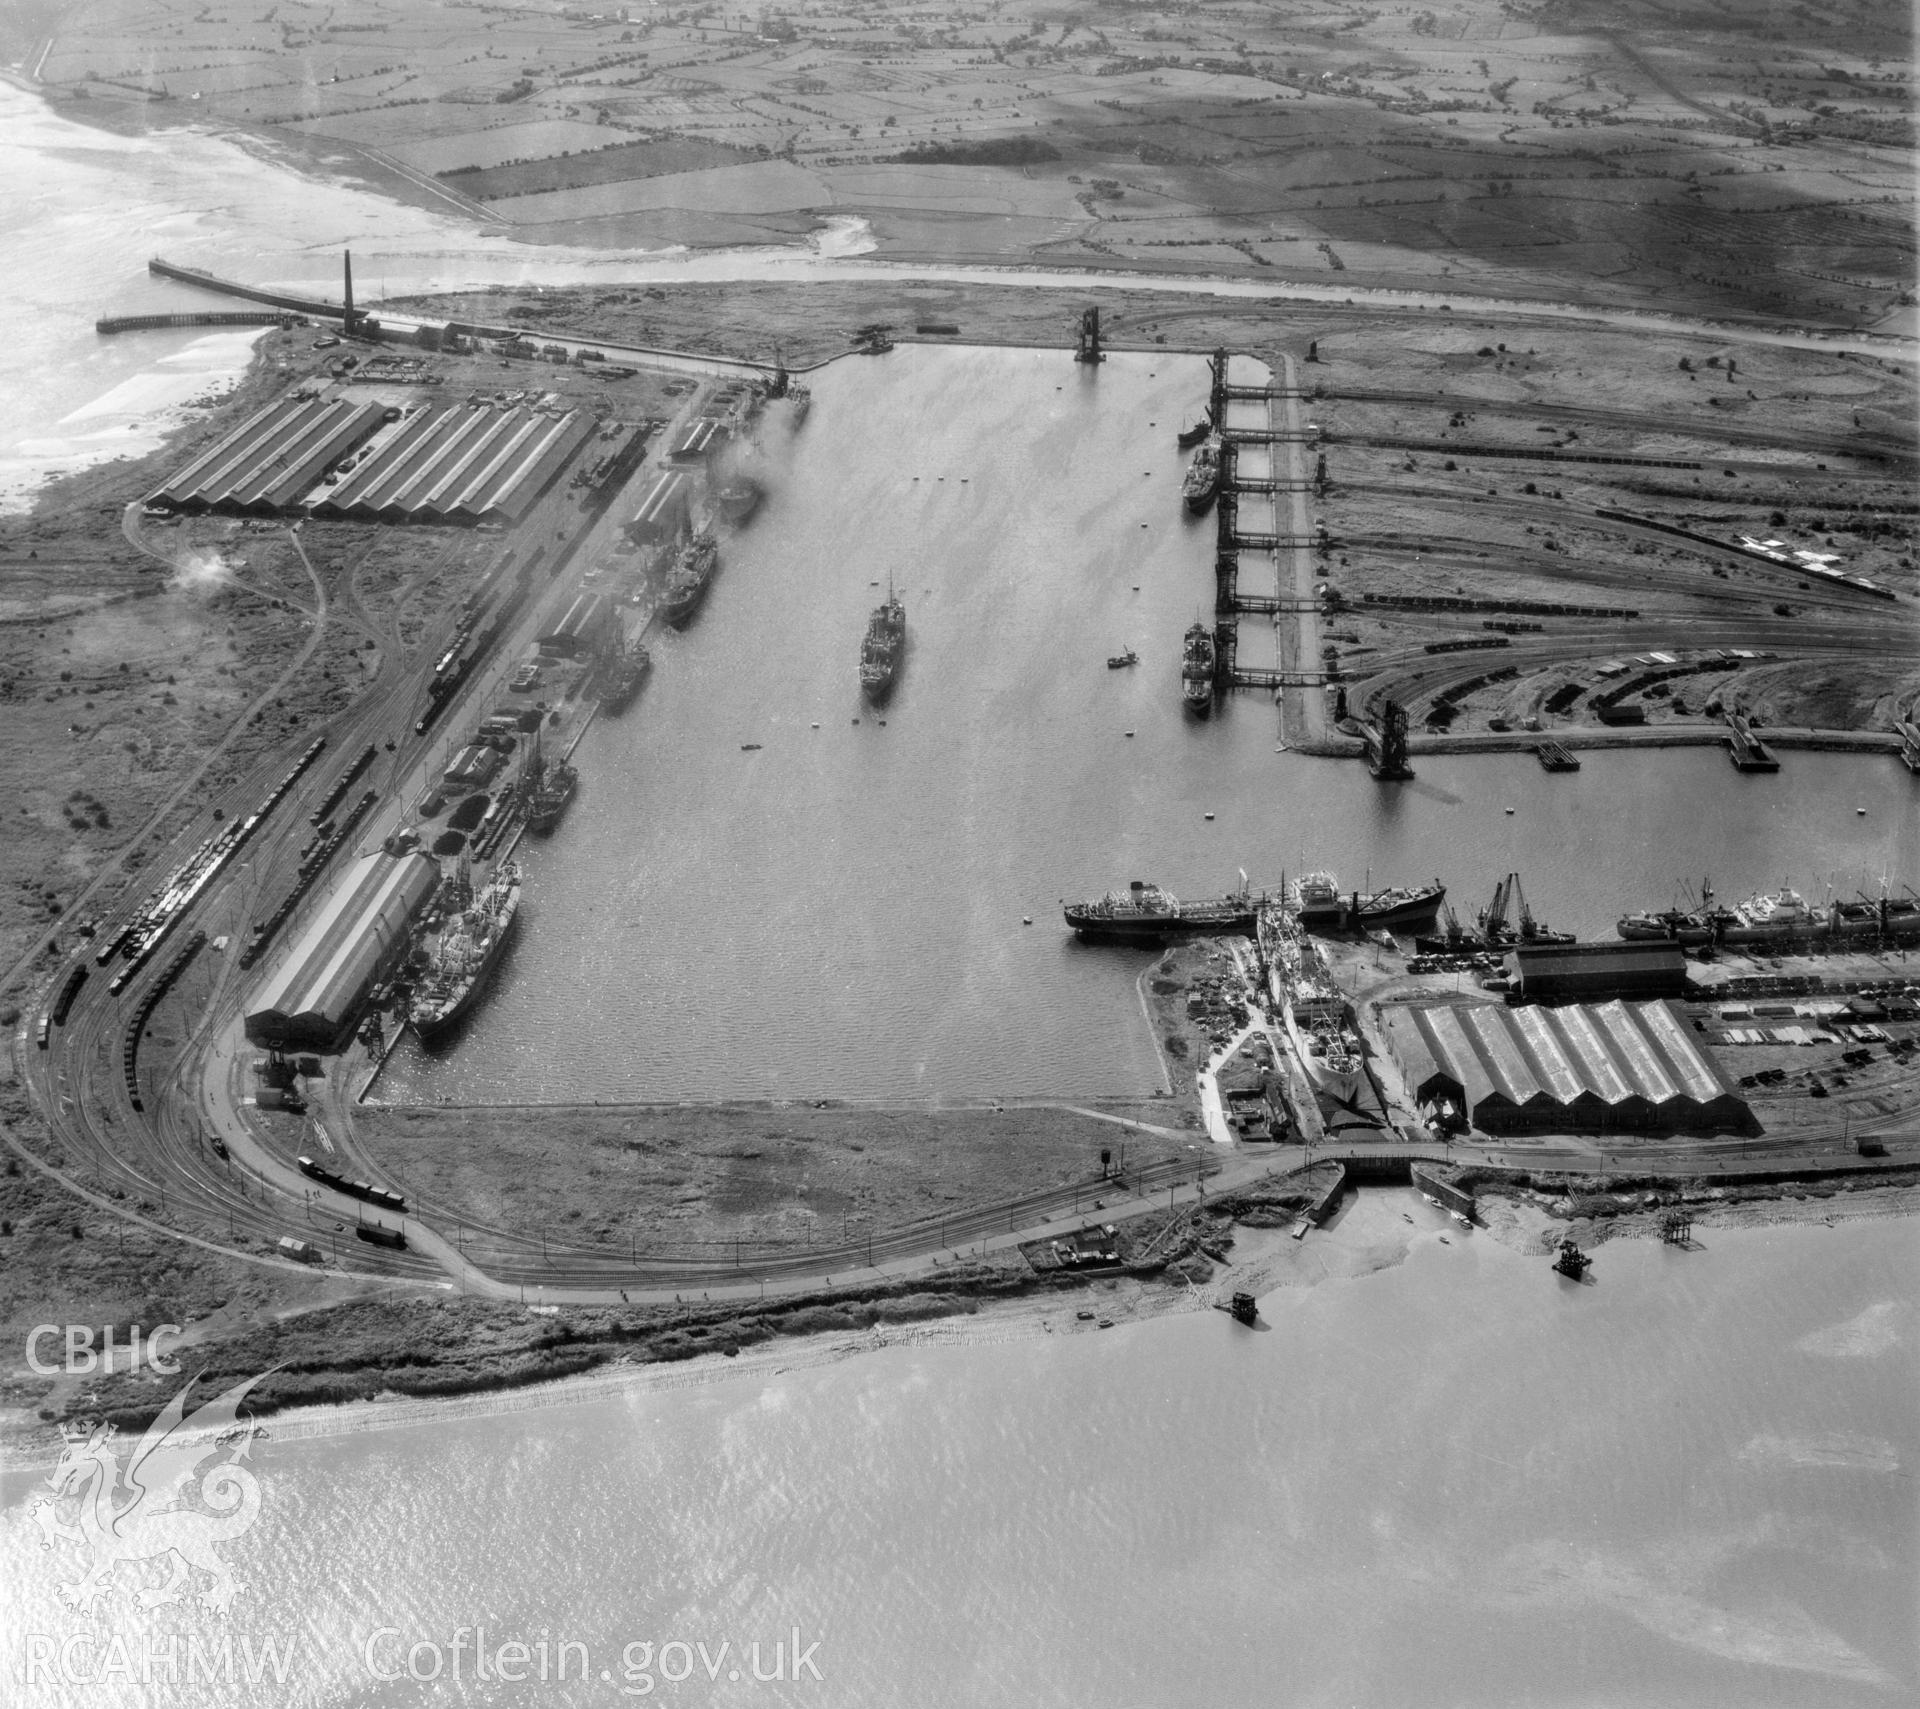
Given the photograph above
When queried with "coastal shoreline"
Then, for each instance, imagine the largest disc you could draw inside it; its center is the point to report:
(1373, 1229)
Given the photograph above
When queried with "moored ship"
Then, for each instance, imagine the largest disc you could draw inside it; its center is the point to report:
(622, 677)
(1144, 913)
(1202, 484)
(1320, 906)
(462, 955)
(688, 578)
(1780, 918)
(553, 788)
(1312, 1006)
(881, 648)
(1196, 671)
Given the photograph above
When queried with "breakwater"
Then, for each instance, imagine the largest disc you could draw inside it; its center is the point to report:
(160, 323)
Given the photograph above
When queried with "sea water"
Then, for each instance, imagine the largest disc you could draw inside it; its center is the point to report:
(1457, 1480)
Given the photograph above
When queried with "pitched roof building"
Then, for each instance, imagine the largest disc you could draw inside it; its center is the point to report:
(1577, 1068)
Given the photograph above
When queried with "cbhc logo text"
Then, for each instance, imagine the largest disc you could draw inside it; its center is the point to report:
(83, 1356)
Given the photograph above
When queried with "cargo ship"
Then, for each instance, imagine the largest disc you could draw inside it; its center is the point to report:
(881, 648)
(1202, 484)
(1312, 1006)
(1781, 918)
(1144, 913)
(1320, 906)
(1491, 928)
(1196, 671)
(462, 956)
(553, 787)
(622, 677)
(688, 578)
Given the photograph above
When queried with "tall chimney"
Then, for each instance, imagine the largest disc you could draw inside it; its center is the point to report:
(347, 325)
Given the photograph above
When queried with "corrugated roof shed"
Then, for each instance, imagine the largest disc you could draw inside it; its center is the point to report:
(312, 995)
(1617, 1065)
(663, 510)
(464, 464)
(695, 440)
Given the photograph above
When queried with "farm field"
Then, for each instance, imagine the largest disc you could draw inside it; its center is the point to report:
(1602, 152)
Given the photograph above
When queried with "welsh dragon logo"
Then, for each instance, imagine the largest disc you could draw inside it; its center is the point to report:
(141, 1514)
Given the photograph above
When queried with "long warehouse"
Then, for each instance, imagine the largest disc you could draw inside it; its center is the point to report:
(367, 462)
(464, 464)
(311, 999)
(1612, 1066)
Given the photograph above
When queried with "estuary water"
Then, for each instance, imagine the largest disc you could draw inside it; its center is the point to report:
(1455, 1481)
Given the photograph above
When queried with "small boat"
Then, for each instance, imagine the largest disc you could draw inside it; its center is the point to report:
(749, 747)
(1572, 1262)
(1120, 661)
(1191, 436)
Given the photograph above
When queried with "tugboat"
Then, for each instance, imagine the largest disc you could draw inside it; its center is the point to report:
(1144, 913)
(687, 580)
(624, 673)
(1191, 436)
(1321, 907)
(462, 956)
(1243, 1308)
(1196, 671)
(881, 648)
(1120, 661)
(1202, 484)
(1572, 1262)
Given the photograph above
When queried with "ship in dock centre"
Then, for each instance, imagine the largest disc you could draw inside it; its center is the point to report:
(882, 648)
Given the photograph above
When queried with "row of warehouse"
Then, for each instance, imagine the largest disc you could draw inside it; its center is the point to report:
(1612, 1066)
(356, 936)
(463, 463)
